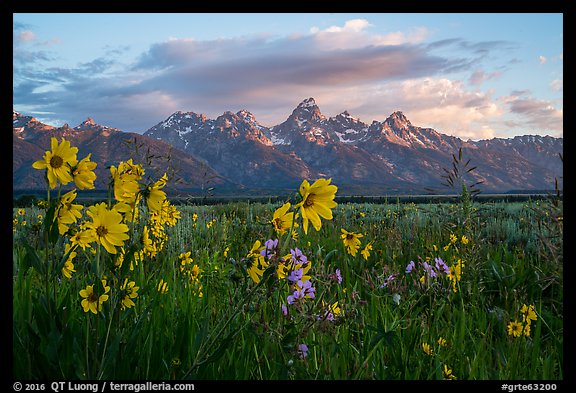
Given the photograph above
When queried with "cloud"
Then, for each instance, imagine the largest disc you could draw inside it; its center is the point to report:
(557, 84)
(343, 67)
(270, 74)
(533, 114)
(354, 35)
(478, 77)
(542, 59)
(26, 36)
(334, 68)
(440, 103)
(29, 58)
(25, 45)
(448, 107)
(353, 25)
(337, 56)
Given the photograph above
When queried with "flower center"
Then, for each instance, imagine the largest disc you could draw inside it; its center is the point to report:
(101, 231)
(277, 223)
(92, 298)
(309, 201)
(56, 162)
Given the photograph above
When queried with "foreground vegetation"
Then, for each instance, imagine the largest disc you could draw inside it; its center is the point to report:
(137, 288)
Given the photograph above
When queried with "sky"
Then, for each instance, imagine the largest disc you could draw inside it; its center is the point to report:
(470, 75)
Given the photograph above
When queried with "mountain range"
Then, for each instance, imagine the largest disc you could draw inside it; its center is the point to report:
(235, 153)
(107, 146)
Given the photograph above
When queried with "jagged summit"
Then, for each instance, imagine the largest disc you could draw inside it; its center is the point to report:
(398, 120)
(386, 155)
(346, 116)
(88, 122)
(245, 114)
(307, 103)
(307, 111)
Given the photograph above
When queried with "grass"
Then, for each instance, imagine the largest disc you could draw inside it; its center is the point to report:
(236, 329)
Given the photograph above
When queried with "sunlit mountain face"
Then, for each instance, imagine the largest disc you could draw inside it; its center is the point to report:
(236, 152)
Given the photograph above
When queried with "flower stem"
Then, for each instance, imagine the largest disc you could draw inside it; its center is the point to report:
(212, 339)
(87, 346)
(98, 252)
(105, 345)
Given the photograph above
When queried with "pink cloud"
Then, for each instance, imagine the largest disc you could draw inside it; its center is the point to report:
(537, 115)
(478, 77)
(26, 36)
(354, 35)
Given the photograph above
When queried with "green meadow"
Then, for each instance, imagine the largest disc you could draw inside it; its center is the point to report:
(466, 290)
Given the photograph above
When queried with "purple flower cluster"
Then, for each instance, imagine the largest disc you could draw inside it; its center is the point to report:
(411, 266)
(328, 315)
(270, 248)
(298, 257)
(336, 276)
(295, 275)
(302, 290)
(389, 279)
(429, 270)
(432, 271)
(442, 266)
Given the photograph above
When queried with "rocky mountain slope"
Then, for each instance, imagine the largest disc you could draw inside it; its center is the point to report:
(382, 157)
(108, 146)
(235, 153)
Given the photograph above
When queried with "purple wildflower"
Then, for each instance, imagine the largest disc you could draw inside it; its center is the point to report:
(441, 265)
(307, 288)
(328, 316)
(388, 280)
(295, 275)
(284, 310)
(270, 248)
(411, 266)
(297, 294)
(430, 270)
(338, 276)
(303, 350)
(298, 257)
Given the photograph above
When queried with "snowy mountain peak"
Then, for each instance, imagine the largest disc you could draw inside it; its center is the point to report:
(89, 122)
(307, 103)
(307, 111)
(179, 119)
(347, 117)
(398, 120)
(247, 116)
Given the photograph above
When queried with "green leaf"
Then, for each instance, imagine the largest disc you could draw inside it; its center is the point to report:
(330, 255)
(224, 345)
(31, 259)
(51, 222)
(64, 259)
